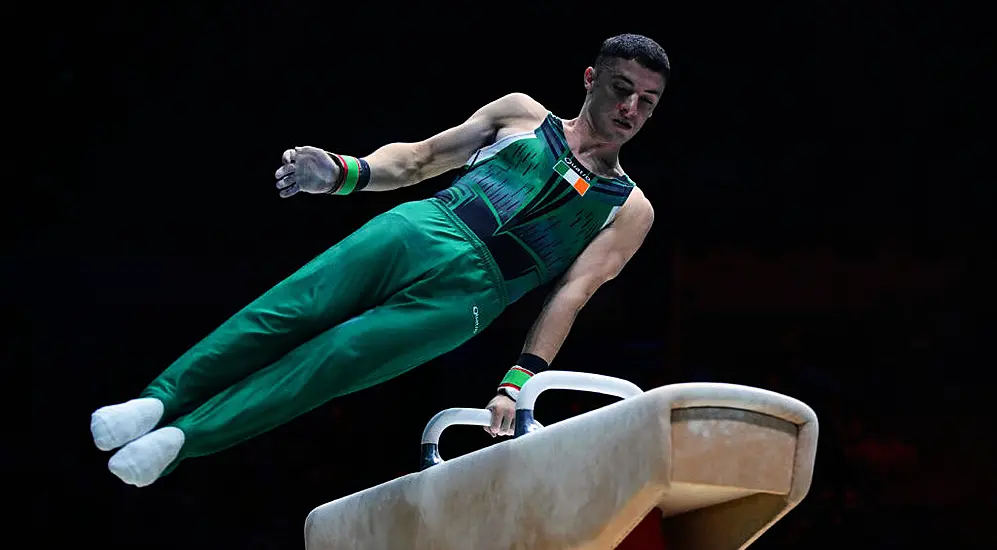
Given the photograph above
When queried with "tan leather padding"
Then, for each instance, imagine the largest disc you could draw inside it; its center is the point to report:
(733, 448)
(722, 462)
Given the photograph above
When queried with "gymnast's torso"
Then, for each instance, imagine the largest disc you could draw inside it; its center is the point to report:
(533, 204)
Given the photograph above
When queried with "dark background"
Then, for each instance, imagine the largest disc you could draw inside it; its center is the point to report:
(817, 234)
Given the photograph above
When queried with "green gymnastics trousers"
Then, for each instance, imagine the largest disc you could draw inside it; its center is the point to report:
(409, 286)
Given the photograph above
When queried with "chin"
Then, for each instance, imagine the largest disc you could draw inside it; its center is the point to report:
(612, 132)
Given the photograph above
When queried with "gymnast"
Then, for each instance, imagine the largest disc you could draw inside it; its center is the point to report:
(536, 199)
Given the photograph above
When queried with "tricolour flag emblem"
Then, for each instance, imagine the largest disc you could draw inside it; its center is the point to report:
(571, 177)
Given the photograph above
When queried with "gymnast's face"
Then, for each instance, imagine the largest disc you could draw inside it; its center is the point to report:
(622, 95)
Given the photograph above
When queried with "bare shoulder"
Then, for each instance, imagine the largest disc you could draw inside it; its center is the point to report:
(516, 112)
(637, 210)
(523, 105)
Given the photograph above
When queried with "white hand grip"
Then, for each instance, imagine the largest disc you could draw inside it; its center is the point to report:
(565, 380)
(449, 417)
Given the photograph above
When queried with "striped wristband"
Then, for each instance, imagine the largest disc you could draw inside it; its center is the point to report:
(354, 175)
(517, 376)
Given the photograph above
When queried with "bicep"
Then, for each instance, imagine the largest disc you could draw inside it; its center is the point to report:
(452, 147)
(604, 258)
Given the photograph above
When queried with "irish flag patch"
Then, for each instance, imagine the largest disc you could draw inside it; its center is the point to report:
(572, 177)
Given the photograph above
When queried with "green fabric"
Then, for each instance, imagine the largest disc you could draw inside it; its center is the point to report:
(409, 286)
(534, 204)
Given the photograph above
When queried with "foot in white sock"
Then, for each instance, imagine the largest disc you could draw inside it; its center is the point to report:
(142, 461)
(115, 425)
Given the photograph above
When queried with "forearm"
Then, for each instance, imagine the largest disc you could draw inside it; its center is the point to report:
(393, 166)
(554, 323)
(546, 336)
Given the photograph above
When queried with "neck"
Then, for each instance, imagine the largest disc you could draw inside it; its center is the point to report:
(586, 141)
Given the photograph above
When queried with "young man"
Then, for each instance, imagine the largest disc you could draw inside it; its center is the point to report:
(538, 199)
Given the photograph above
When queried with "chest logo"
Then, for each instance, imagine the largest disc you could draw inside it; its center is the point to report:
(571, 176)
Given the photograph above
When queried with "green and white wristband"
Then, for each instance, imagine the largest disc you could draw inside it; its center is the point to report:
(354, 174)
(518, 375)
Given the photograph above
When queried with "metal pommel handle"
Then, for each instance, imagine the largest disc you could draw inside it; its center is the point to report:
(565, 380)
(443, 420)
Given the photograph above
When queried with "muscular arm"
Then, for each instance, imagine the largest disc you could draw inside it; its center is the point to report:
(402, 164)
(601, 261)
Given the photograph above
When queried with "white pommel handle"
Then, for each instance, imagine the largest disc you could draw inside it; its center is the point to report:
(448, 417)
(565, 380)
(430, 448)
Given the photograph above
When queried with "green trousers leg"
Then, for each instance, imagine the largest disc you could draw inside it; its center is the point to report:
(407, 287)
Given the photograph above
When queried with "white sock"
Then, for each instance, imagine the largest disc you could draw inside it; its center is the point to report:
(142, 461)
(115, 425)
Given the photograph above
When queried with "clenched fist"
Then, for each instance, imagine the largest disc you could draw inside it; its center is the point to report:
(503, 416)
(307, 169)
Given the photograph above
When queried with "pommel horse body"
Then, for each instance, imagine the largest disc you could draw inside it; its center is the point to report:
(718, 463)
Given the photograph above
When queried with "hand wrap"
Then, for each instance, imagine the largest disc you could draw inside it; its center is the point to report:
(525, 368)
(354, 174)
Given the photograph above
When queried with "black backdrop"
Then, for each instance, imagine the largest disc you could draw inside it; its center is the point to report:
(817, 229)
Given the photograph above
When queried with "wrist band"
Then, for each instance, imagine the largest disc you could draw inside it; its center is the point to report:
(354, 175)
(525, 368)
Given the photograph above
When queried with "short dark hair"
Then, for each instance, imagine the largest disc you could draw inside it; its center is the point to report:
(647, 52)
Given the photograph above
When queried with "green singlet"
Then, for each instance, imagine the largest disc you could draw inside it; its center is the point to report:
(533, 204)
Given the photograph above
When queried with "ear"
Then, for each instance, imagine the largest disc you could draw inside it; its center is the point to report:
(589, 79)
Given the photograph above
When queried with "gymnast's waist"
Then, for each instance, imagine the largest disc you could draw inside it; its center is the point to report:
(518, 269)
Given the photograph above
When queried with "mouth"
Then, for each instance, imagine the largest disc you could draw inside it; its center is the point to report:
(622, 124)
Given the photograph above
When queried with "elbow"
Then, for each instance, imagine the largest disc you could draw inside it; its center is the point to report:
(408, 165)
(576, 292)
(574, 298)
(415, 165)
(396, 165)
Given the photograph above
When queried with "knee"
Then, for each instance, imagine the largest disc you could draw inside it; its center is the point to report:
(336, 353)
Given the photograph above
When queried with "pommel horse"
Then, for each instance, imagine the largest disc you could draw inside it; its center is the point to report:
(719, 464)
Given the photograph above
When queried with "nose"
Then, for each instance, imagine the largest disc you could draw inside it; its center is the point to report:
(629, 105)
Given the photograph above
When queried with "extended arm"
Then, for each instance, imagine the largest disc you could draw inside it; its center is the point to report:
(396, 165)
(601, 261)
(402, 164)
